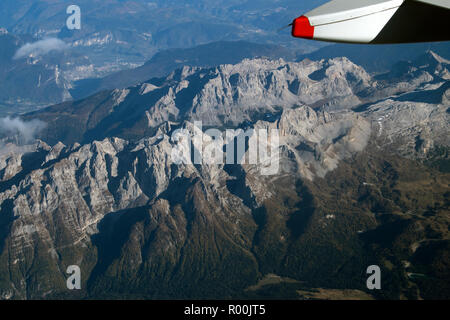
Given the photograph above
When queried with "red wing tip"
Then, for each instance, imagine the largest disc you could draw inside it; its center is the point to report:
(302, 28)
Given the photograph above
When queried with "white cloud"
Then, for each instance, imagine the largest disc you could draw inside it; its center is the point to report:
(25, 131)
(40, 48)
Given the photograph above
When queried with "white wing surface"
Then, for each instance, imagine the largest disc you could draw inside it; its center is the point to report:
(376, 21)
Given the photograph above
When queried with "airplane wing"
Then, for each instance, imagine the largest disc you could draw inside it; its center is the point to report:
(376, 21)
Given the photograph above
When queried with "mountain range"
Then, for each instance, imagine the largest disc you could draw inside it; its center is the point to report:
(363, 180)
(52, 70)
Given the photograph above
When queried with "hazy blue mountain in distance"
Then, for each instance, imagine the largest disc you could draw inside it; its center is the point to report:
(263, 14)
(120, 32)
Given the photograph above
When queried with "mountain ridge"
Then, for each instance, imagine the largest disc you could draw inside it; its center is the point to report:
(362, 181)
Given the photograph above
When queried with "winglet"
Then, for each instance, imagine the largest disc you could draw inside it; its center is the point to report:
(302, 28)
